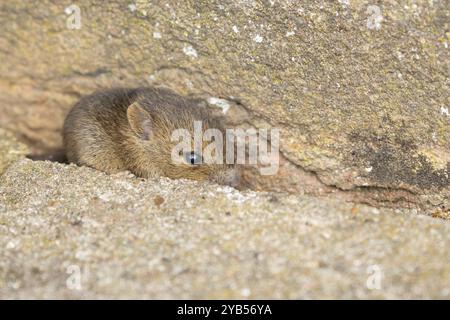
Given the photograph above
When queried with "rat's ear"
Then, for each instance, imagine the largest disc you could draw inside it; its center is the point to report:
(140, 121)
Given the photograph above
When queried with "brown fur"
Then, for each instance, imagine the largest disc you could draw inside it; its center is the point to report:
(130, 129)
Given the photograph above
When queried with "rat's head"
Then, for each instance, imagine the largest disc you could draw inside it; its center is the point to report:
(167, 137)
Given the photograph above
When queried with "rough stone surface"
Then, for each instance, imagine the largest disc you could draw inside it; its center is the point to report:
(361, 101)
(132, 238)
(11, 150)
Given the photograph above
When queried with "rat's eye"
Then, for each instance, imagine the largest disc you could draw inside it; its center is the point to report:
(193, 158)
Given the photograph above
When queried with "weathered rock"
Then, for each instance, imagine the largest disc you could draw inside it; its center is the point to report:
(361, 99)
(131, 238)
(10, 149)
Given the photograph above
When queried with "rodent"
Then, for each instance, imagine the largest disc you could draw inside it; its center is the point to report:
(130, 129)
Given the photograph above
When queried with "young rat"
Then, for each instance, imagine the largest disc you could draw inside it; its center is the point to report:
(130, 129)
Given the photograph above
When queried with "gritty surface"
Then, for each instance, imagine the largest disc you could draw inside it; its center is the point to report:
(132, 238)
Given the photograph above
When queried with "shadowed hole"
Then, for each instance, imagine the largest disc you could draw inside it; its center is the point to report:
(56, 155)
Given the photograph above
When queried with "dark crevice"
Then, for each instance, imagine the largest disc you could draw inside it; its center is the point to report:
(56, 155)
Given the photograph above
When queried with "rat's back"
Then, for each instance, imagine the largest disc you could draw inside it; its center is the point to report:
(92, 129)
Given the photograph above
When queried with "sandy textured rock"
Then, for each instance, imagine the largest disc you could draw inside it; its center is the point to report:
(362, 102)
(10, 149)
(132, 238)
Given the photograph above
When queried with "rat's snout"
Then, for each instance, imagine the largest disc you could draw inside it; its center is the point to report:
(229, 176)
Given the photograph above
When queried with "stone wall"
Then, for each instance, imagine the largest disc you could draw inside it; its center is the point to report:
(358, 89)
